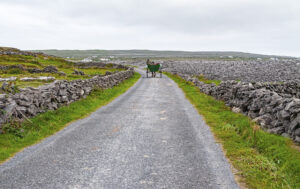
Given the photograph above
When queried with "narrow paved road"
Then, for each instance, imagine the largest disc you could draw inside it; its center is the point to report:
(150, 137)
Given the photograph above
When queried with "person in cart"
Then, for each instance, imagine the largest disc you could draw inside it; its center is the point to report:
(153, 68)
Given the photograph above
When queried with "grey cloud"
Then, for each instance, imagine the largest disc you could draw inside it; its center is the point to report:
(261, 26)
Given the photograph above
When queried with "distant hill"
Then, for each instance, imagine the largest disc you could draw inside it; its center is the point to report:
(80, 54)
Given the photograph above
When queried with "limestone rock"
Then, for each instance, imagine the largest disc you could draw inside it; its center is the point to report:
(77, 72)
(236, 110)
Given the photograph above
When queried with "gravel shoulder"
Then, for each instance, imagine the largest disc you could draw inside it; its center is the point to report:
(149, 137)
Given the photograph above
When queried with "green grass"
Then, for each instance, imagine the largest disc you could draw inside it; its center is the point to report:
(207, 81)
(41, 62)
(263, 160)
(20, 136)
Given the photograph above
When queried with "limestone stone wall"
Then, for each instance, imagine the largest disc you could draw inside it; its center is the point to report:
(271, 107)
(32, 101)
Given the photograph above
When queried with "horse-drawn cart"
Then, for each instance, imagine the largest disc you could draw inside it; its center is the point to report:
(153, 68)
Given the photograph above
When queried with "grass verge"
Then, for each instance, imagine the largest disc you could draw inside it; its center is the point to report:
(263, 160)
(207, 81)
(50, 122)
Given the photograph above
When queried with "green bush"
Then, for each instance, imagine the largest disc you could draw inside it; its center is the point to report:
(110, 65)
(15, 71)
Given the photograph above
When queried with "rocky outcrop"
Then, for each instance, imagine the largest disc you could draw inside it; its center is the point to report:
(41, 78)
(274, 112)
(77, 72)
(99, 65)
(50, 69)
(32, 101)
(7, 67)
(8, 79)
(47, 69)
(14, 51)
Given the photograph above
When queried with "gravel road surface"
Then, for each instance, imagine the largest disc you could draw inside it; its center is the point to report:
(149, 137)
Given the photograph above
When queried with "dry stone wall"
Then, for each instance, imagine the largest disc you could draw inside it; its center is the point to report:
(99, 65)
(277, 113)
(32, 101)
(284, 89)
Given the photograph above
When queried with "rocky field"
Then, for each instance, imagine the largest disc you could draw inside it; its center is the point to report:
(243, 70)
(247, 70)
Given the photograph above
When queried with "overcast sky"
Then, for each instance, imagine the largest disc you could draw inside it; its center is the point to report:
(259, 26)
